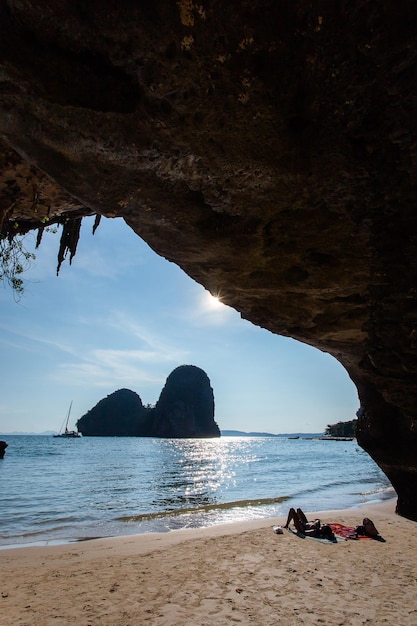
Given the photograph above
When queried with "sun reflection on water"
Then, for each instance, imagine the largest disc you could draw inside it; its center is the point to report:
(198, 472)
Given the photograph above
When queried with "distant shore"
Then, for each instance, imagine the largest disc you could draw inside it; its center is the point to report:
(232, 573)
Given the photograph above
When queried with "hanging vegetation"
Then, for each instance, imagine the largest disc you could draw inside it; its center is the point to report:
(15, 259)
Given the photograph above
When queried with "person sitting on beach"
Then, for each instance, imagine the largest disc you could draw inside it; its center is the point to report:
(310, 529)
(367, 529)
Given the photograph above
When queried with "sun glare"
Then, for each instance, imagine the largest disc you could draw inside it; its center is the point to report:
(214, 302)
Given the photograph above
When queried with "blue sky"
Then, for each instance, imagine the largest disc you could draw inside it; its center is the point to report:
(121, 316)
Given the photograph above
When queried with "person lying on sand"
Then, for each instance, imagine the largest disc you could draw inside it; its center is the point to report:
(328, 531)
(310, 529)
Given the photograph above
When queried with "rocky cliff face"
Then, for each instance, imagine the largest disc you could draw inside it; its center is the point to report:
(185, 409)
(118, 415)
(186, 405)
(268, 149)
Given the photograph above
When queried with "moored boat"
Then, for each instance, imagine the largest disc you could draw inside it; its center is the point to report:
(68, 434)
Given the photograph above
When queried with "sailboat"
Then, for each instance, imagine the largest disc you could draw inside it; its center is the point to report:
(68, 434)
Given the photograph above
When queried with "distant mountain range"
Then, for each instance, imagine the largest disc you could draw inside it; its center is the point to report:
(224, 433)
(241, 433)
(45, 432)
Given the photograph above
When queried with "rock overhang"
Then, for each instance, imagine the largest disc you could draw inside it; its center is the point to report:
(269, 151)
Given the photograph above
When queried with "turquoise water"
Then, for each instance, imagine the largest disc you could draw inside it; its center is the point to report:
(55, 490)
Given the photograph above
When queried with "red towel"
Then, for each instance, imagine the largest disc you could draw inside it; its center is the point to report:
(348, 532)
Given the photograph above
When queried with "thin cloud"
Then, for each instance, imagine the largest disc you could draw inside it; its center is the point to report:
(37, 337)
(107, 369)
(99, 367)
(125, 324)
(141, 356)
(97, 264)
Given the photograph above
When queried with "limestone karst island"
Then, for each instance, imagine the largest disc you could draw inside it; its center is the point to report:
(185, 409)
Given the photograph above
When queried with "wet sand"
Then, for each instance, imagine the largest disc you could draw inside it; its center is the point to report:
(240, 573)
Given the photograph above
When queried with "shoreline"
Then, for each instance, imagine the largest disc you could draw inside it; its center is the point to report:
(384, 496)
(240, 572)
(386, 506)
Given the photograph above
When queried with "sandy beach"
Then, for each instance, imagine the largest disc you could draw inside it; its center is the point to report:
(240, 573)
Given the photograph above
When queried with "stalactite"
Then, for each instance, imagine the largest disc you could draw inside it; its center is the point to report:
(69, 240)
(96, 223)
(39, 236)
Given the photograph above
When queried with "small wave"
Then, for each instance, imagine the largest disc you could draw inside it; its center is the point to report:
(385, 493)
(22, 536)
(316, 489)
(204, 508)
(349, 481)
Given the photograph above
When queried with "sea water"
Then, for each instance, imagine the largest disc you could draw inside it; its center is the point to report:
(59, 490)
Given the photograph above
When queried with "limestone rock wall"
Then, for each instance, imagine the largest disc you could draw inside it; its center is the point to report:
(186, 405)
(118, 415)
(185, 409)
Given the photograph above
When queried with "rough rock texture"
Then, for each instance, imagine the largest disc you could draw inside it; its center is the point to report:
(185, 409)
(186, 405)
(118, 415)
(267, 147)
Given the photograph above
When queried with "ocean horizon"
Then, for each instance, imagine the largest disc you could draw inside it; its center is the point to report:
(224, 433)
(59, 490)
